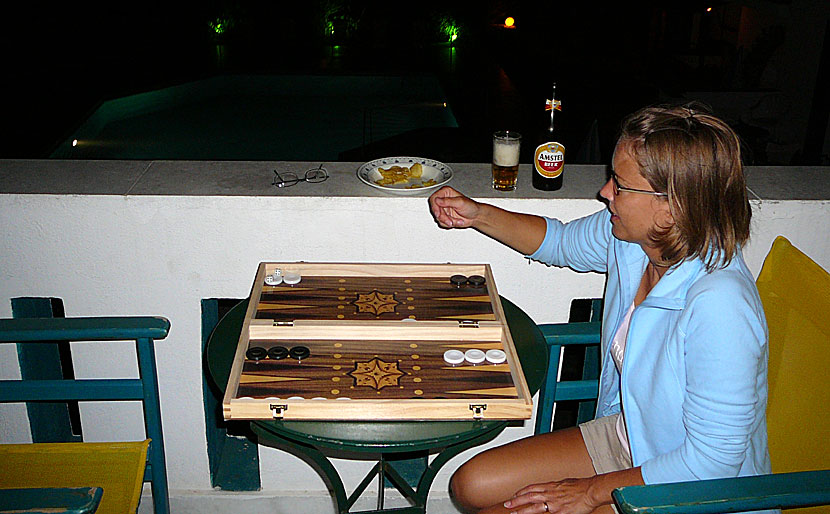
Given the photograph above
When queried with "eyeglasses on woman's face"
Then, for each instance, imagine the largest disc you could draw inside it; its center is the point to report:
(618, 188)
(287, 179)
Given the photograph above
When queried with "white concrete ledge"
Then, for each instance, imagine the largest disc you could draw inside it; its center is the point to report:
(253, 178)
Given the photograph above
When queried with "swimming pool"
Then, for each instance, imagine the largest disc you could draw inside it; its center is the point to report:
(252, 117)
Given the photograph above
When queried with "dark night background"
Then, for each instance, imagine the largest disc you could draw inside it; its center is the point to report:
(62, 60)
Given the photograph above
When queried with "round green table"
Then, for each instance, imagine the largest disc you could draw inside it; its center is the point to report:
(386, 441)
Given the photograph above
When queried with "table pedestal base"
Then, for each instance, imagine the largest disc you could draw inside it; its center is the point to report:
(383, 470)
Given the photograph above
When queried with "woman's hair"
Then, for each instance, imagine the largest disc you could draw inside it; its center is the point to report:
(695, 158)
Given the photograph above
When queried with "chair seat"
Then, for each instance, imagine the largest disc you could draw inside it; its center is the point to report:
(64, 500)
(118, 468)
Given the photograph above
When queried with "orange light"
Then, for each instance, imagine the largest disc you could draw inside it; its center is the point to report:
(509, 21)
(708, 9)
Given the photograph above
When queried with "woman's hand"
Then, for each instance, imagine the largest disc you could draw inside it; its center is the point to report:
(522, 232)
(570, 496)
(451, 209)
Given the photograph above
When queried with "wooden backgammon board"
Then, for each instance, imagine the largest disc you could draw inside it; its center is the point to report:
(335, 341)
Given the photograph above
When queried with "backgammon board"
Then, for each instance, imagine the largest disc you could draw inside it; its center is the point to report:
(337, 341)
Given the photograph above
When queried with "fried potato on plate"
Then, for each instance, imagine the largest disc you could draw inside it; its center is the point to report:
(399, 175)
(425, 183)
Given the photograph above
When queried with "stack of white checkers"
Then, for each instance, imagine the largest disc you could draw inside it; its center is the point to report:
(474, 357)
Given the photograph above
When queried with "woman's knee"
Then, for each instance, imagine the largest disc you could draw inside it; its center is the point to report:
(494, 475)
(469, 485)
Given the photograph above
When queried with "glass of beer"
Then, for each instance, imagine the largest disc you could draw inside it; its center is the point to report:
(506, 146)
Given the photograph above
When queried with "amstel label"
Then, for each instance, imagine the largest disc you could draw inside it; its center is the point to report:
(549, 159)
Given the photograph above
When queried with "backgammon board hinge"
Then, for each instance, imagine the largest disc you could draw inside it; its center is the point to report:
(468, 323)
(277, 410)
(478, 410)
(282, 323)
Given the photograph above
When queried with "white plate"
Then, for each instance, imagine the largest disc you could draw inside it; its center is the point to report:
(437, 171)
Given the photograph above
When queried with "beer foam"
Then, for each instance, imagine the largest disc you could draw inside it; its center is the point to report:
(506, 154)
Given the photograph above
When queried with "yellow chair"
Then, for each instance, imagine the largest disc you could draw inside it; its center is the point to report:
(117, 468)
(795, 292)
(796, 296)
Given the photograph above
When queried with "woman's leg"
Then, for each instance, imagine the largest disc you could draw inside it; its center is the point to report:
(493, 476)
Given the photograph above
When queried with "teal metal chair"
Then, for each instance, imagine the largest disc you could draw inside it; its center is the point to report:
(795, 292)
(560, 336)
(144, 330)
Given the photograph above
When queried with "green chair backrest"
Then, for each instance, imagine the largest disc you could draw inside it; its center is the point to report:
(558, 336)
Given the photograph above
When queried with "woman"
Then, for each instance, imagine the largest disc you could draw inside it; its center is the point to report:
(684, 369)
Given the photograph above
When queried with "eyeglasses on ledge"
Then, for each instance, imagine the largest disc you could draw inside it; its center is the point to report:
(289, 178)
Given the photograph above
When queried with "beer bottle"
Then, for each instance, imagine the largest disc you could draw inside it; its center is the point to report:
(549, 157)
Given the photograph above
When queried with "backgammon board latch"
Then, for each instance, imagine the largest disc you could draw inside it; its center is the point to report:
(478, 410)
(468, 323)
(283, 324)
(277, 410)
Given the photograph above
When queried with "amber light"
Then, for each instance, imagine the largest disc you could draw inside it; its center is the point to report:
(509, 21)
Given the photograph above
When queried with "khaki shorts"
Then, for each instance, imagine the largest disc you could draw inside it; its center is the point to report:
(603, 444)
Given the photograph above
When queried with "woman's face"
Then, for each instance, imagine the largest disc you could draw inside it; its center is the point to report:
(633, 214)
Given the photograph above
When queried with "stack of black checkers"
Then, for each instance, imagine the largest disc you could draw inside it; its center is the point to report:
(472, 281)
(257, 353)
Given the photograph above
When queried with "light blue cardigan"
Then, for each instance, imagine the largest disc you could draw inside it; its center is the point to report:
(694, 378)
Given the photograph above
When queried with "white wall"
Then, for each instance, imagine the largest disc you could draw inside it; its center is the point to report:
(161, 255)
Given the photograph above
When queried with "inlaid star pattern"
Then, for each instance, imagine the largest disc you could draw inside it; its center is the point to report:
(376, 302)
(376, 374)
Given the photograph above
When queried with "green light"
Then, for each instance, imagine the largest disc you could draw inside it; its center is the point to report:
(338, 20)
(219, 25)
(449, 28)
